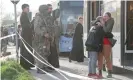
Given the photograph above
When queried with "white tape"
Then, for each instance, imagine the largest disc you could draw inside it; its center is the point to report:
(42, 69)
(41, 57)
(7, 36)
(58, 70)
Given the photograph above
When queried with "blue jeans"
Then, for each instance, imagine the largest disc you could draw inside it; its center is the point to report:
(92, 61)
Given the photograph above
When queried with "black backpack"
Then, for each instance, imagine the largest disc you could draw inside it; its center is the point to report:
(95, 37)
(91, 36)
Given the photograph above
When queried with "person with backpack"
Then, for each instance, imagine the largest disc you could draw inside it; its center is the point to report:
(94, 45)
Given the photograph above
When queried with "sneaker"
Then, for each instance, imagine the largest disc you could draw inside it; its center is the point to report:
(109, 76)
(95, 76)
(90, 75)
(100, 76)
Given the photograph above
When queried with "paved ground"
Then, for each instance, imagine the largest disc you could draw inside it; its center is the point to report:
(72, 71)
(77, 71)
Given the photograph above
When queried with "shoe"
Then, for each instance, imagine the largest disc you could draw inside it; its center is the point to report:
(47, 70)
(100, 76)
(95, 76)
(40, 71)
(109, 76)
(90, 75)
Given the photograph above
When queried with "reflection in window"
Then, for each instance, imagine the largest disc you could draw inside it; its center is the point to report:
(129, 28)
(69, 19)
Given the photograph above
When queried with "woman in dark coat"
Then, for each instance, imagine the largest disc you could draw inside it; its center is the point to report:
(77, 53)
(27, 36)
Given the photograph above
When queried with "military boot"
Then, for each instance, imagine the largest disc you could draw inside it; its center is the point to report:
(47, 69)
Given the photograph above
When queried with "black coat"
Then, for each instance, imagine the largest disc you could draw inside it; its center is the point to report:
(53, 58)
(77, 52)
(27, 36)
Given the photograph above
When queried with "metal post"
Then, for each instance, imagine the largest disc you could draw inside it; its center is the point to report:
(15, 14)
(0, 28)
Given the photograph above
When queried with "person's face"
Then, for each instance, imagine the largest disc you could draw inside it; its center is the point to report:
(26, 9)
(50, 9)
(81, 19)
(106, 17)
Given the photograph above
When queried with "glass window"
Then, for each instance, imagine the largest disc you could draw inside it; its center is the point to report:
(114, 8)
(129, 25)
(76, 3)
(69, 18)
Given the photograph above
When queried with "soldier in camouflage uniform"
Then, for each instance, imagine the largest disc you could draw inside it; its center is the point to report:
(44, 36)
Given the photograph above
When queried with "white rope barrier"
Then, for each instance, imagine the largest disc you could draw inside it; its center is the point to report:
(42, 69)
(7, 36)
(41, 57)
(47, 63)
(58, 70)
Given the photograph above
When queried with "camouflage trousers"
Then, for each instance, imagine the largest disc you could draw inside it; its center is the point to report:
(42, 53)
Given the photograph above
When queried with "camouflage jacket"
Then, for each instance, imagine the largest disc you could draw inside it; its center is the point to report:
(42, 26)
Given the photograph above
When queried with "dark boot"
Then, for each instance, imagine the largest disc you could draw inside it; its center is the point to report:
(109, 74)
(47, 69)
(40, 71)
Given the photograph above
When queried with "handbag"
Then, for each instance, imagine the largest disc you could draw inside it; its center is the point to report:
(113, 41)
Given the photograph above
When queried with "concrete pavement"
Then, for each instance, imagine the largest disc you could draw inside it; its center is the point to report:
(77, 71)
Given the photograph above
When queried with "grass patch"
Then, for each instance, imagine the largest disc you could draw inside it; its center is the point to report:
(11, 70)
